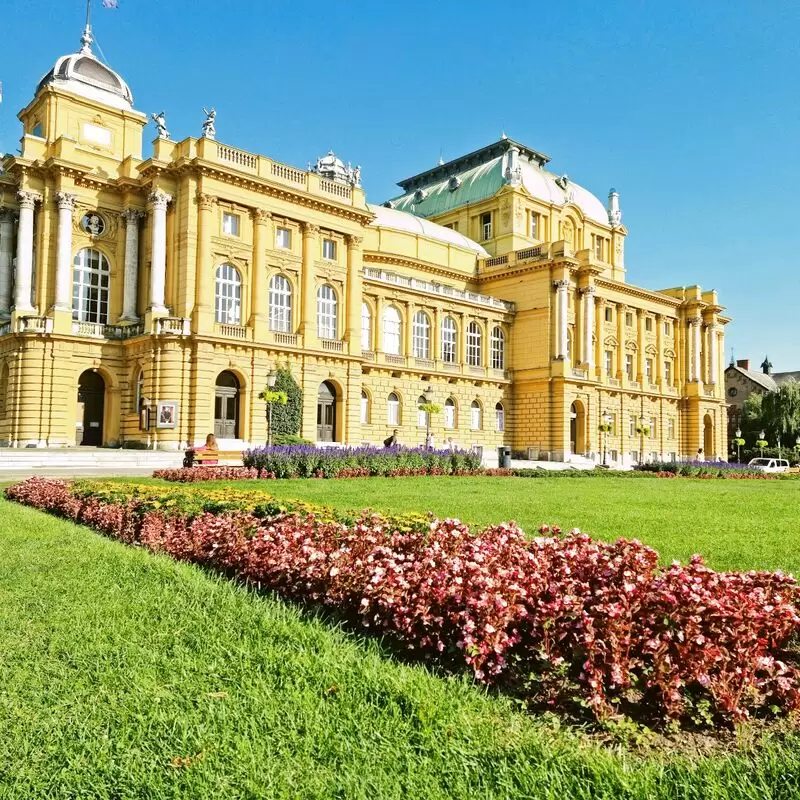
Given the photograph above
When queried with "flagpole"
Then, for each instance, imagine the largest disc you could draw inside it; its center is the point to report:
(88, 12)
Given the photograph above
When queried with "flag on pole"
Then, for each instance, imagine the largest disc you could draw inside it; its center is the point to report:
(110, 3)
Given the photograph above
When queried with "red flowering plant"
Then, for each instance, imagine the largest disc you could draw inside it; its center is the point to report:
(558, 620)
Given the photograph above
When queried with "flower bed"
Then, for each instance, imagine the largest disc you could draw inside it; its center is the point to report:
(301, 461)
(559, 620)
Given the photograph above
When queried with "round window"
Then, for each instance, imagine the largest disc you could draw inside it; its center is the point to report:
(733, 391)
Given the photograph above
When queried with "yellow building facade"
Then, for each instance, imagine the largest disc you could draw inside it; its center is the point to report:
(147, 300)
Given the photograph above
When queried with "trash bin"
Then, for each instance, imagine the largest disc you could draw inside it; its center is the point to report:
(504, 456)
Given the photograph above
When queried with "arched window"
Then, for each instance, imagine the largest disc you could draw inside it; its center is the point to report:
(421, 335)
(228, 298)
(422, 416)
(473, 344)
(364, 407)
(90, 278)
(280, 304)
(393, 410)
(449, 413)
(366, 328)
(498, 348)
(500, 416)
(449, 340)
(475, 416)
(327, 319)
(391, 331)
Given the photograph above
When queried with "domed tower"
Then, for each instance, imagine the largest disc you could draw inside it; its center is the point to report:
(87, 107)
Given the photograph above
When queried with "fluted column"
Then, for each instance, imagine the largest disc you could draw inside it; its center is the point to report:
(6, 259)
(310, 253)
(159, 200)
(130, 288)
(63, 299)
(561, 287)
(354, 293)
(23, 286)
(262, 235)
(599, 321)
(588, 326)
(659, 373)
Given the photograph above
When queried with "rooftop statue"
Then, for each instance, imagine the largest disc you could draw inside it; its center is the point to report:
(209, 128)
(160, 120)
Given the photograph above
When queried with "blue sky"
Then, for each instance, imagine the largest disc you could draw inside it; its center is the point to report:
(689, 109)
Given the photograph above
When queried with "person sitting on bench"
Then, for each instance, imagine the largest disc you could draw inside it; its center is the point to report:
(210, 448)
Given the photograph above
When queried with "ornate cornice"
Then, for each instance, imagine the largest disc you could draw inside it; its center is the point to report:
(424, 266)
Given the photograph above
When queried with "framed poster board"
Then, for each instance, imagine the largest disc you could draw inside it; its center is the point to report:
(167, 414)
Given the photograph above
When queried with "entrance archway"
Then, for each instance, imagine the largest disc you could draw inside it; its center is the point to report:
(577, 428)
(226, 406)
(91, 408)
(326, 412)
(708, 437)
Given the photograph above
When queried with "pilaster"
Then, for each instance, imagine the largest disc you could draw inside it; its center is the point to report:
(204, 269)
(262, 235)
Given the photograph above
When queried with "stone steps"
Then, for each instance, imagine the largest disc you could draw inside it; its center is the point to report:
(82, 458)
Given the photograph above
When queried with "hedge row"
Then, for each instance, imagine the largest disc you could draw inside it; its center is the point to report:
(558, 620)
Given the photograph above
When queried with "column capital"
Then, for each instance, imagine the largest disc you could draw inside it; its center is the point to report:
(205, 201)
(589, 290)
(600, 301)
(693, 321)
(561, 284)
(658, 317)
(309, 228)
(65, 201)
(260, 216)
(159, 199)
(132, 215)
(354, 242)
(28, 199)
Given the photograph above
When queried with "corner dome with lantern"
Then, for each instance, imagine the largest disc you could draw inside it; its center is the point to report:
(333, 168)
(83, 74)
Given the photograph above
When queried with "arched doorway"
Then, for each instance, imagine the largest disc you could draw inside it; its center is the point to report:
(326, 412)
(577, 428)
(226, 406)
(708, 437)
(91, 403)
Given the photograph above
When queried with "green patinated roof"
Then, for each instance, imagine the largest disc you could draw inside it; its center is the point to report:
(477, 183)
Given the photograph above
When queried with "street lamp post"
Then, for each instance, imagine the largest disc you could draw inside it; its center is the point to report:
(761, 442)
(641, 431)
(605, 428)
(428, 395)
(271, 380)
(738, 446)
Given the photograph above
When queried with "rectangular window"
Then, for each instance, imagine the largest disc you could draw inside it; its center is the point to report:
(486, 226)
(648, 323)
(631, 425)
(230, 224)
(671, 429)
(608, 362)
(667, 328)
(283, 238)
(329, 249)
(534, 228)
(609, 315)
(653, 422)
(629, 365)
(598, 247)
(452, 225)
(648, 369)
(613, 425)
(629, 320)
(668, 372)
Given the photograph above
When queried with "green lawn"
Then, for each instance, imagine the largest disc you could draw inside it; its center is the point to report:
(125, 675)
(735, 524)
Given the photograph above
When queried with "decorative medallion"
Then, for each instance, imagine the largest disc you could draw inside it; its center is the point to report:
(93, 224)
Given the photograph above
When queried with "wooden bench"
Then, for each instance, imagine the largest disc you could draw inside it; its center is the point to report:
(218, 456)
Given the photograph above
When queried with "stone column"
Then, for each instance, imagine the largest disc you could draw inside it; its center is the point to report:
(696, 368)
(354, 294)
(310, 252)
(377, 327)
(599, 321)
(561, 287)
(713, 346)
(24, 271)
(159, 200)
(621, 351)
(204, 269)
(131, 277)
(262, 234)
(6, 259)
(588, 326)
(640, 352)
(407, 330)
(63, 298)
(436, 336)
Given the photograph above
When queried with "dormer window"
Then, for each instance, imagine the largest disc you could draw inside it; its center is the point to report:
(37, 130)
(486, 226)
(454, 183)
(420, 195)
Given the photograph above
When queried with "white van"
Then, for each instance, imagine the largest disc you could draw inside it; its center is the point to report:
(769, 464)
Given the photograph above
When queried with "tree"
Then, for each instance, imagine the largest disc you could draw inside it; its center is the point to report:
(776, 413)
(286, 418)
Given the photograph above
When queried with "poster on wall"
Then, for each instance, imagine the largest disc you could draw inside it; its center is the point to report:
(167, 414)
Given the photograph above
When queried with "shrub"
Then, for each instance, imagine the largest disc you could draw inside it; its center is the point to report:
(286, 418)
(559, 620)
(289, 438)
